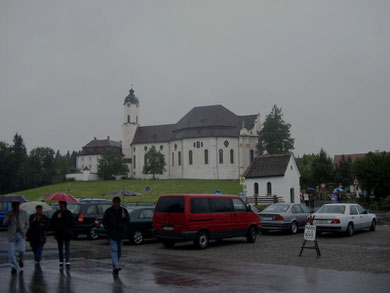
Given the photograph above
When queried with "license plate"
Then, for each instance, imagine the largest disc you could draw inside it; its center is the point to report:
(320, 221)
(267, 218)
(168, 228)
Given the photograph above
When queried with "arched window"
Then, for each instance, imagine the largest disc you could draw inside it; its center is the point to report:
(292, 195)
(269, 188)
(190, 157)
(221, 156)
(173, 159)
(134, 161)
(231, 156)
(179, 158)
(206, 157)
(251, 155)
(128, 118)
(256, 188)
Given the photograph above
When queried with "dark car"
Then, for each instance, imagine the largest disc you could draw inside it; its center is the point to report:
(85, 214)
(138, 229)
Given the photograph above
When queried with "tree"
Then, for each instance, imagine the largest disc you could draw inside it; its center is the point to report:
(72, 162)
(111, 164)
(373, 173)
(275, 136)
(155, 162)
(322, 168)
(18, 157)
(343, 172)
(5, 167)
(306, 170)
(40, 168)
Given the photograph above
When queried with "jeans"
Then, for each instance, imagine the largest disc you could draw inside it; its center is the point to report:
(60, 244)
(37, 248)
(116, 252)
(18, 244)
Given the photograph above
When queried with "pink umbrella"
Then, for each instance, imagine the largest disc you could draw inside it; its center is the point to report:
(61, 196)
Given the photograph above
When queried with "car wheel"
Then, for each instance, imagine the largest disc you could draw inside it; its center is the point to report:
(294, 228)
(264, 231)
(92, 235)
(137, 237)
(373, 225)
(168, 244)
(349, 231)
(202, 240)
(251, 235)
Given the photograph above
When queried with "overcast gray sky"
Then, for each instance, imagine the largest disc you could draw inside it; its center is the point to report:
(66, 67)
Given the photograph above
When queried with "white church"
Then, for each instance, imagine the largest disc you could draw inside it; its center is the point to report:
(209, 142)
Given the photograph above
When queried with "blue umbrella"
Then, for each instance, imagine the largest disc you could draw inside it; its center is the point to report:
(337, 190)
(310, 189)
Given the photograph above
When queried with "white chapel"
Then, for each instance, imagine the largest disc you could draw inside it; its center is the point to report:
(209, 142)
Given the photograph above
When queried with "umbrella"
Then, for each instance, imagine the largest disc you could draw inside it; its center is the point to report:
(12, 198)
(310, 189)
(123, 192)
(337, 190)
(31, 206)
(61, 196)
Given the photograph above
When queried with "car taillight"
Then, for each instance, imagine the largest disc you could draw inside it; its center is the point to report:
(81, 218)
(279, 218)
(337, 221)
(97, 224)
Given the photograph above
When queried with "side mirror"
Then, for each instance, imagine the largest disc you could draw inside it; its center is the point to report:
(365, 212)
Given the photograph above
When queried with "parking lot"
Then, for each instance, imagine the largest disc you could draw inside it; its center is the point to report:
(348, 264)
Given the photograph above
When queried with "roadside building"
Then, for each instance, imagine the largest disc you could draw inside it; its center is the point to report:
(273, 175)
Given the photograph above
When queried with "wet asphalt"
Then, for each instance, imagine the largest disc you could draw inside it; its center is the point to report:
(348, 264)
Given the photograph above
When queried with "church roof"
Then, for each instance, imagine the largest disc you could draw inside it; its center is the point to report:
(205, 121)
(131, 98)
(268, 166)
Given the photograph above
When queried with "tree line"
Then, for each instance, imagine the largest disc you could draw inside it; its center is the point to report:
(20, 170)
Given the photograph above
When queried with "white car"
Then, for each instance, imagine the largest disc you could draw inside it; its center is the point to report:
(343, 217)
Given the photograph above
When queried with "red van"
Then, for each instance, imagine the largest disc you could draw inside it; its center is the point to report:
(201, 217)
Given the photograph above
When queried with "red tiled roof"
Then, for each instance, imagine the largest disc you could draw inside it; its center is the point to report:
(353, 157)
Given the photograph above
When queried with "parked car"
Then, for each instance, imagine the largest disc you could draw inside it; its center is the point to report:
(138, 229)
(284, 216)
(342, 217)
(85, 214)
(94, 199)
(200, 218)
(5, 207)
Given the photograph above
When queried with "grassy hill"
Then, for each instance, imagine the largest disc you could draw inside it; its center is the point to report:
(158, 187)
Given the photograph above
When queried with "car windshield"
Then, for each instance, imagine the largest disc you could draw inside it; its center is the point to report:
(332, 209)
(277, 208)
(170, 204)
(74, 207)
(255, 209)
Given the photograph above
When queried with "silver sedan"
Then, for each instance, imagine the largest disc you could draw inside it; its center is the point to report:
(284, 216)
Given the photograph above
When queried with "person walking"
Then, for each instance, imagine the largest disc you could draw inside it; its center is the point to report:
(306, 198)
(63, 223)
(36, 234)
(17, 222)
(115, 220)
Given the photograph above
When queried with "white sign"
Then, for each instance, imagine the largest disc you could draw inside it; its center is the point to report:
(310, 233)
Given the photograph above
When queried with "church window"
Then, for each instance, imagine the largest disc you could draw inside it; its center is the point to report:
(194, 144)
(145, 148)
(256, 188)
(221, 156)
(134, 161)
(226, 143)
(198, 144)
(201, 144)
(179, 158)
(173, 159)
(251, 155)
(269, 188)
(134, 149)
(231, 156)
(128, 118)
(175, 146)
(161, 147)
(206, 157)
(190, 157)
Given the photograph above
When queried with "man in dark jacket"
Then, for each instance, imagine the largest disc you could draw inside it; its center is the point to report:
(115, 220)
(37, 233)
(63, 222)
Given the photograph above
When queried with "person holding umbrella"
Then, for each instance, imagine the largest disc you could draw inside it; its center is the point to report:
(63, 221)
(36, 235)
(115, 220)
(17, 222)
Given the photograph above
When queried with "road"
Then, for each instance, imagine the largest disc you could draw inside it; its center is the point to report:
(348, 264)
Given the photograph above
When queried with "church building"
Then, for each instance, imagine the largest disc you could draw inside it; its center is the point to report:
(209, 142)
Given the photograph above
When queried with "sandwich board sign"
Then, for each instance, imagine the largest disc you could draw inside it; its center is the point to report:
(310, 233)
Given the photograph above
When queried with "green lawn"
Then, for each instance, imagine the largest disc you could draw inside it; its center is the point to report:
(158, 187)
